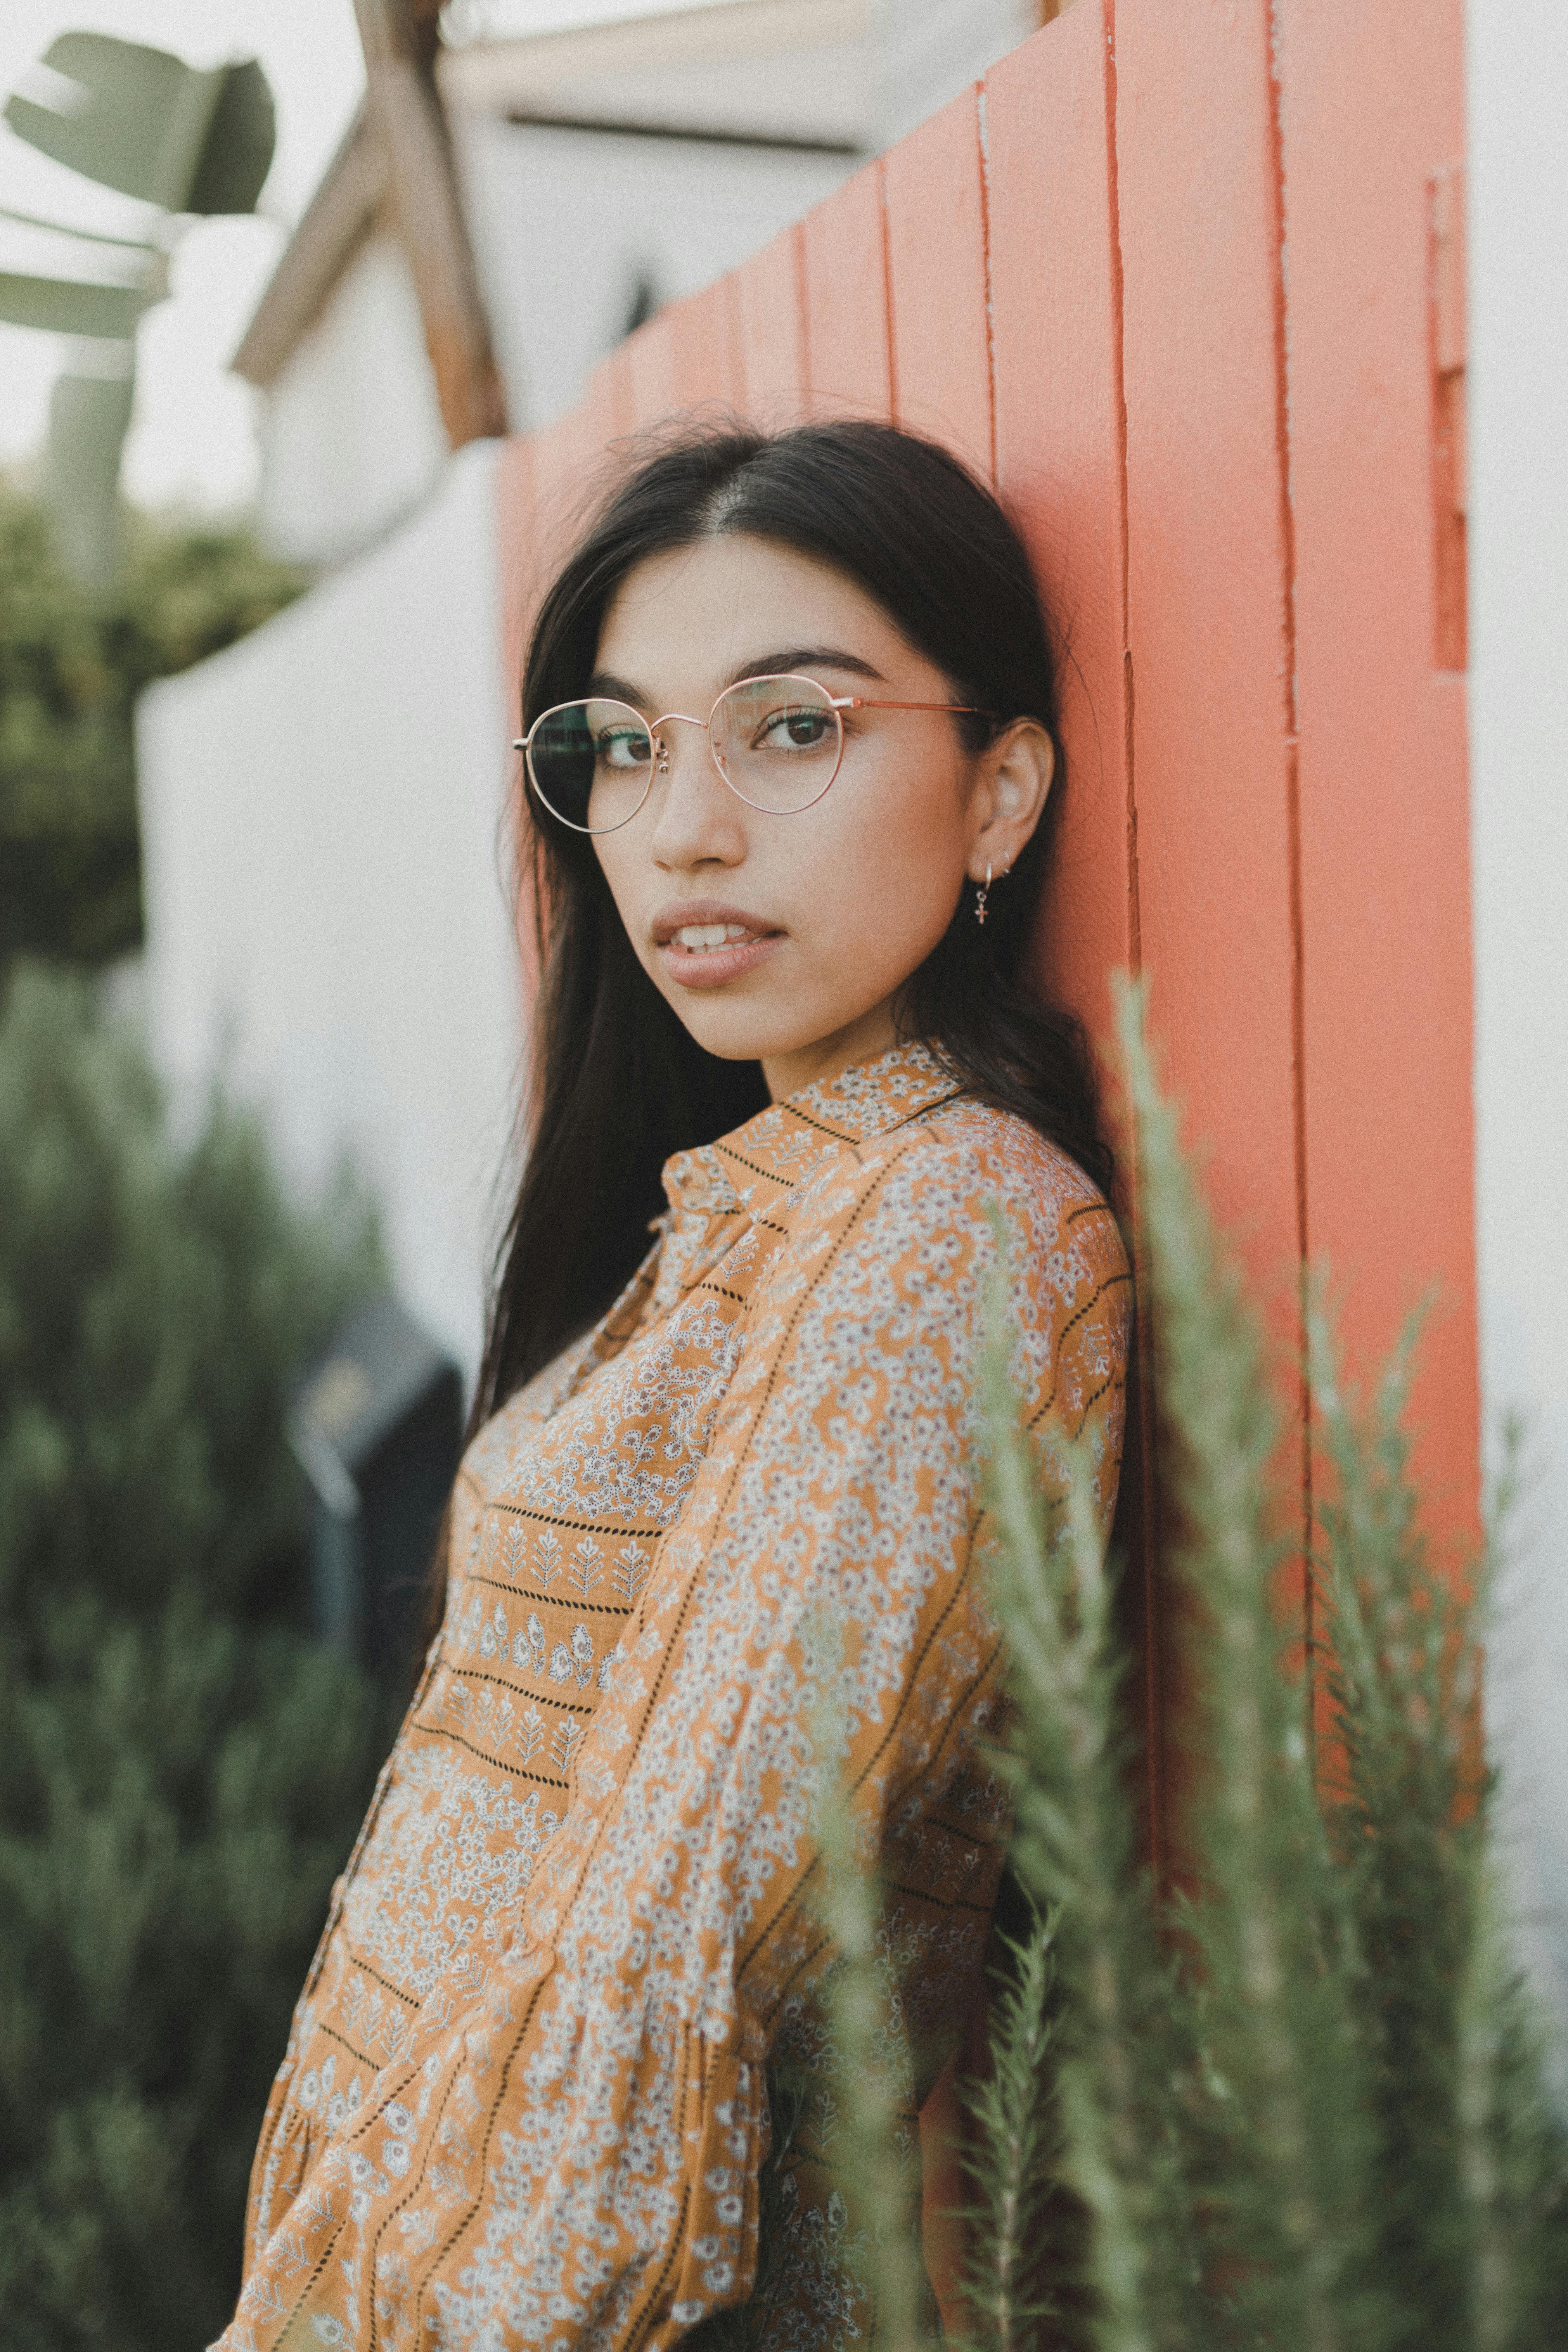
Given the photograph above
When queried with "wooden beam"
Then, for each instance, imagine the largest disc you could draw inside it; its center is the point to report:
(400, 38)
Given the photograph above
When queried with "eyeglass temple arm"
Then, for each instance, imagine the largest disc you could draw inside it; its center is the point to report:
(867, 702)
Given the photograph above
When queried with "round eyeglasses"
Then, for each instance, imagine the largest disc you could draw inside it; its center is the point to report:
(778, 742)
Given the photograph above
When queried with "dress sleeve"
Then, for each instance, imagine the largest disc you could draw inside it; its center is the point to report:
(601, 2095)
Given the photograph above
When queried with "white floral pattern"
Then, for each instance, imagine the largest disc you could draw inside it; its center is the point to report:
(522, 2103)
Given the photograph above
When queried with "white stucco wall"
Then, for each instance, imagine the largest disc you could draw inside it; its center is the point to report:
(352, 436)
(1518, 372)
(565, 222)
(326, 915)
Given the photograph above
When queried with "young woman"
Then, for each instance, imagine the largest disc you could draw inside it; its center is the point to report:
(793, 765)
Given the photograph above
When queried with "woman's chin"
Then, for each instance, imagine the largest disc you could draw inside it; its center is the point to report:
(733, 1033)
(795, 1051)
(738, 1024)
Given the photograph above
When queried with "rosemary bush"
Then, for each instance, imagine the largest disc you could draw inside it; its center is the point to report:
(182, 1766)
(1300, 2107)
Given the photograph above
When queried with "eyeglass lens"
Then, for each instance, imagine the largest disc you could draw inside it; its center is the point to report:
(776, 742)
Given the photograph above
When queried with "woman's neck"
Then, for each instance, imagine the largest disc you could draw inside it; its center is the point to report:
(875, 1033)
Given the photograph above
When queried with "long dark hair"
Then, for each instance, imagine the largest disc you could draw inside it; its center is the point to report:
(617, 1084)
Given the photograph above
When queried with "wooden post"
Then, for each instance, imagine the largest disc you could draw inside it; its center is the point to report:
(400, 38)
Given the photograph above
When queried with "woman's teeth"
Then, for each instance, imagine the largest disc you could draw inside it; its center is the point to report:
(700, 936)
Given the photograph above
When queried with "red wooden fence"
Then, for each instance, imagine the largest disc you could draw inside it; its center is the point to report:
(1166, 278)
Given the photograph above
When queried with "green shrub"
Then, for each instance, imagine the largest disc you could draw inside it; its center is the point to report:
(73, 662)
(1302, 2107)
(182, 1769)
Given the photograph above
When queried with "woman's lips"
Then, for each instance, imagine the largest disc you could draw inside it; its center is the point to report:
(710, 966)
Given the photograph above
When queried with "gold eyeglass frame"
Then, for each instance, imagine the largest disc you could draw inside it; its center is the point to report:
(659, 766)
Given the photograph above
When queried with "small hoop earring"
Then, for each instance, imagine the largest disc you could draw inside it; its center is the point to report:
(980, 902)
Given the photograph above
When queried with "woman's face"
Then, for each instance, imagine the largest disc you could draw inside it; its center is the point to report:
(829, 911)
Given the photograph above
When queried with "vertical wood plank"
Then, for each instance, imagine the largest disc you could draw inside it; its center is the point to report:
(734, 305)
(703, 328)
(1208, 603)
(1056, 309)
(568, 471)
(1370, 108)
(651, 363)
(850, 366)
(1210, 662)
(1057, 327)
(936, 292)
(607, 397)
(773, 330)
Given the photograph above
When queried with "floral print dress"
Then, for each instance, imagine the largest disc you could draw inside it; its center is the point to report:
(525, 2102)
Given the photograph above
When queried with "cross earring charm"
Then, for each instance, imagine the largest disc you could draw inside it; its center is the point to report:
(980, 902)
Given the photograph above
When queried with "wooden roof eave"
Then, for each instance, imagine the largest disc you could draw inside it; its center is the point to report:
(498, 78)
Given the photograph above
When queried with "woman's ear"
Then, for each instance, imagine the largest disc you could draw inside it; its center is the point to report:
(1012, 779)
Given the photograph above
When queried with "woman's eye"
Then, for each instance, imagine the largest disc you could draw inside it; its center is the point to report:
(622, 747)
(795, 730)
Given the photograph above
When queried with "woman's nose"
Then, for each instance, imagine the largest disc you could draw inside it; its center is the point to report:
(697, 817)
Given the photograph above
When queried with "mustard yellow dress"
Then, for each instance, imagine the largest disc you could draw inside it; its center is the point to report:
(523, 2103)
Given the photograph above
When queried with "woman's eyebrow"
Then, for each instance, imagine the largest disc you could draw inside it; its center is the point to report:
(793, 659)
(799, 657)
(604, 683)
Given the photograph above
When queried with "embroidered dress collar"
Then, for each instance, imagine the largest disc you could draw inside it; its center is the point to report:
(767, 1158)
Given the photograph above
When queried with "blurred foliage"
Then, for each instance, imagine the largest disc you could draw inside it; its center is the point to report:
(1300, 2102)
(73, 662)
(1302, 2105)
(181, 1768)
